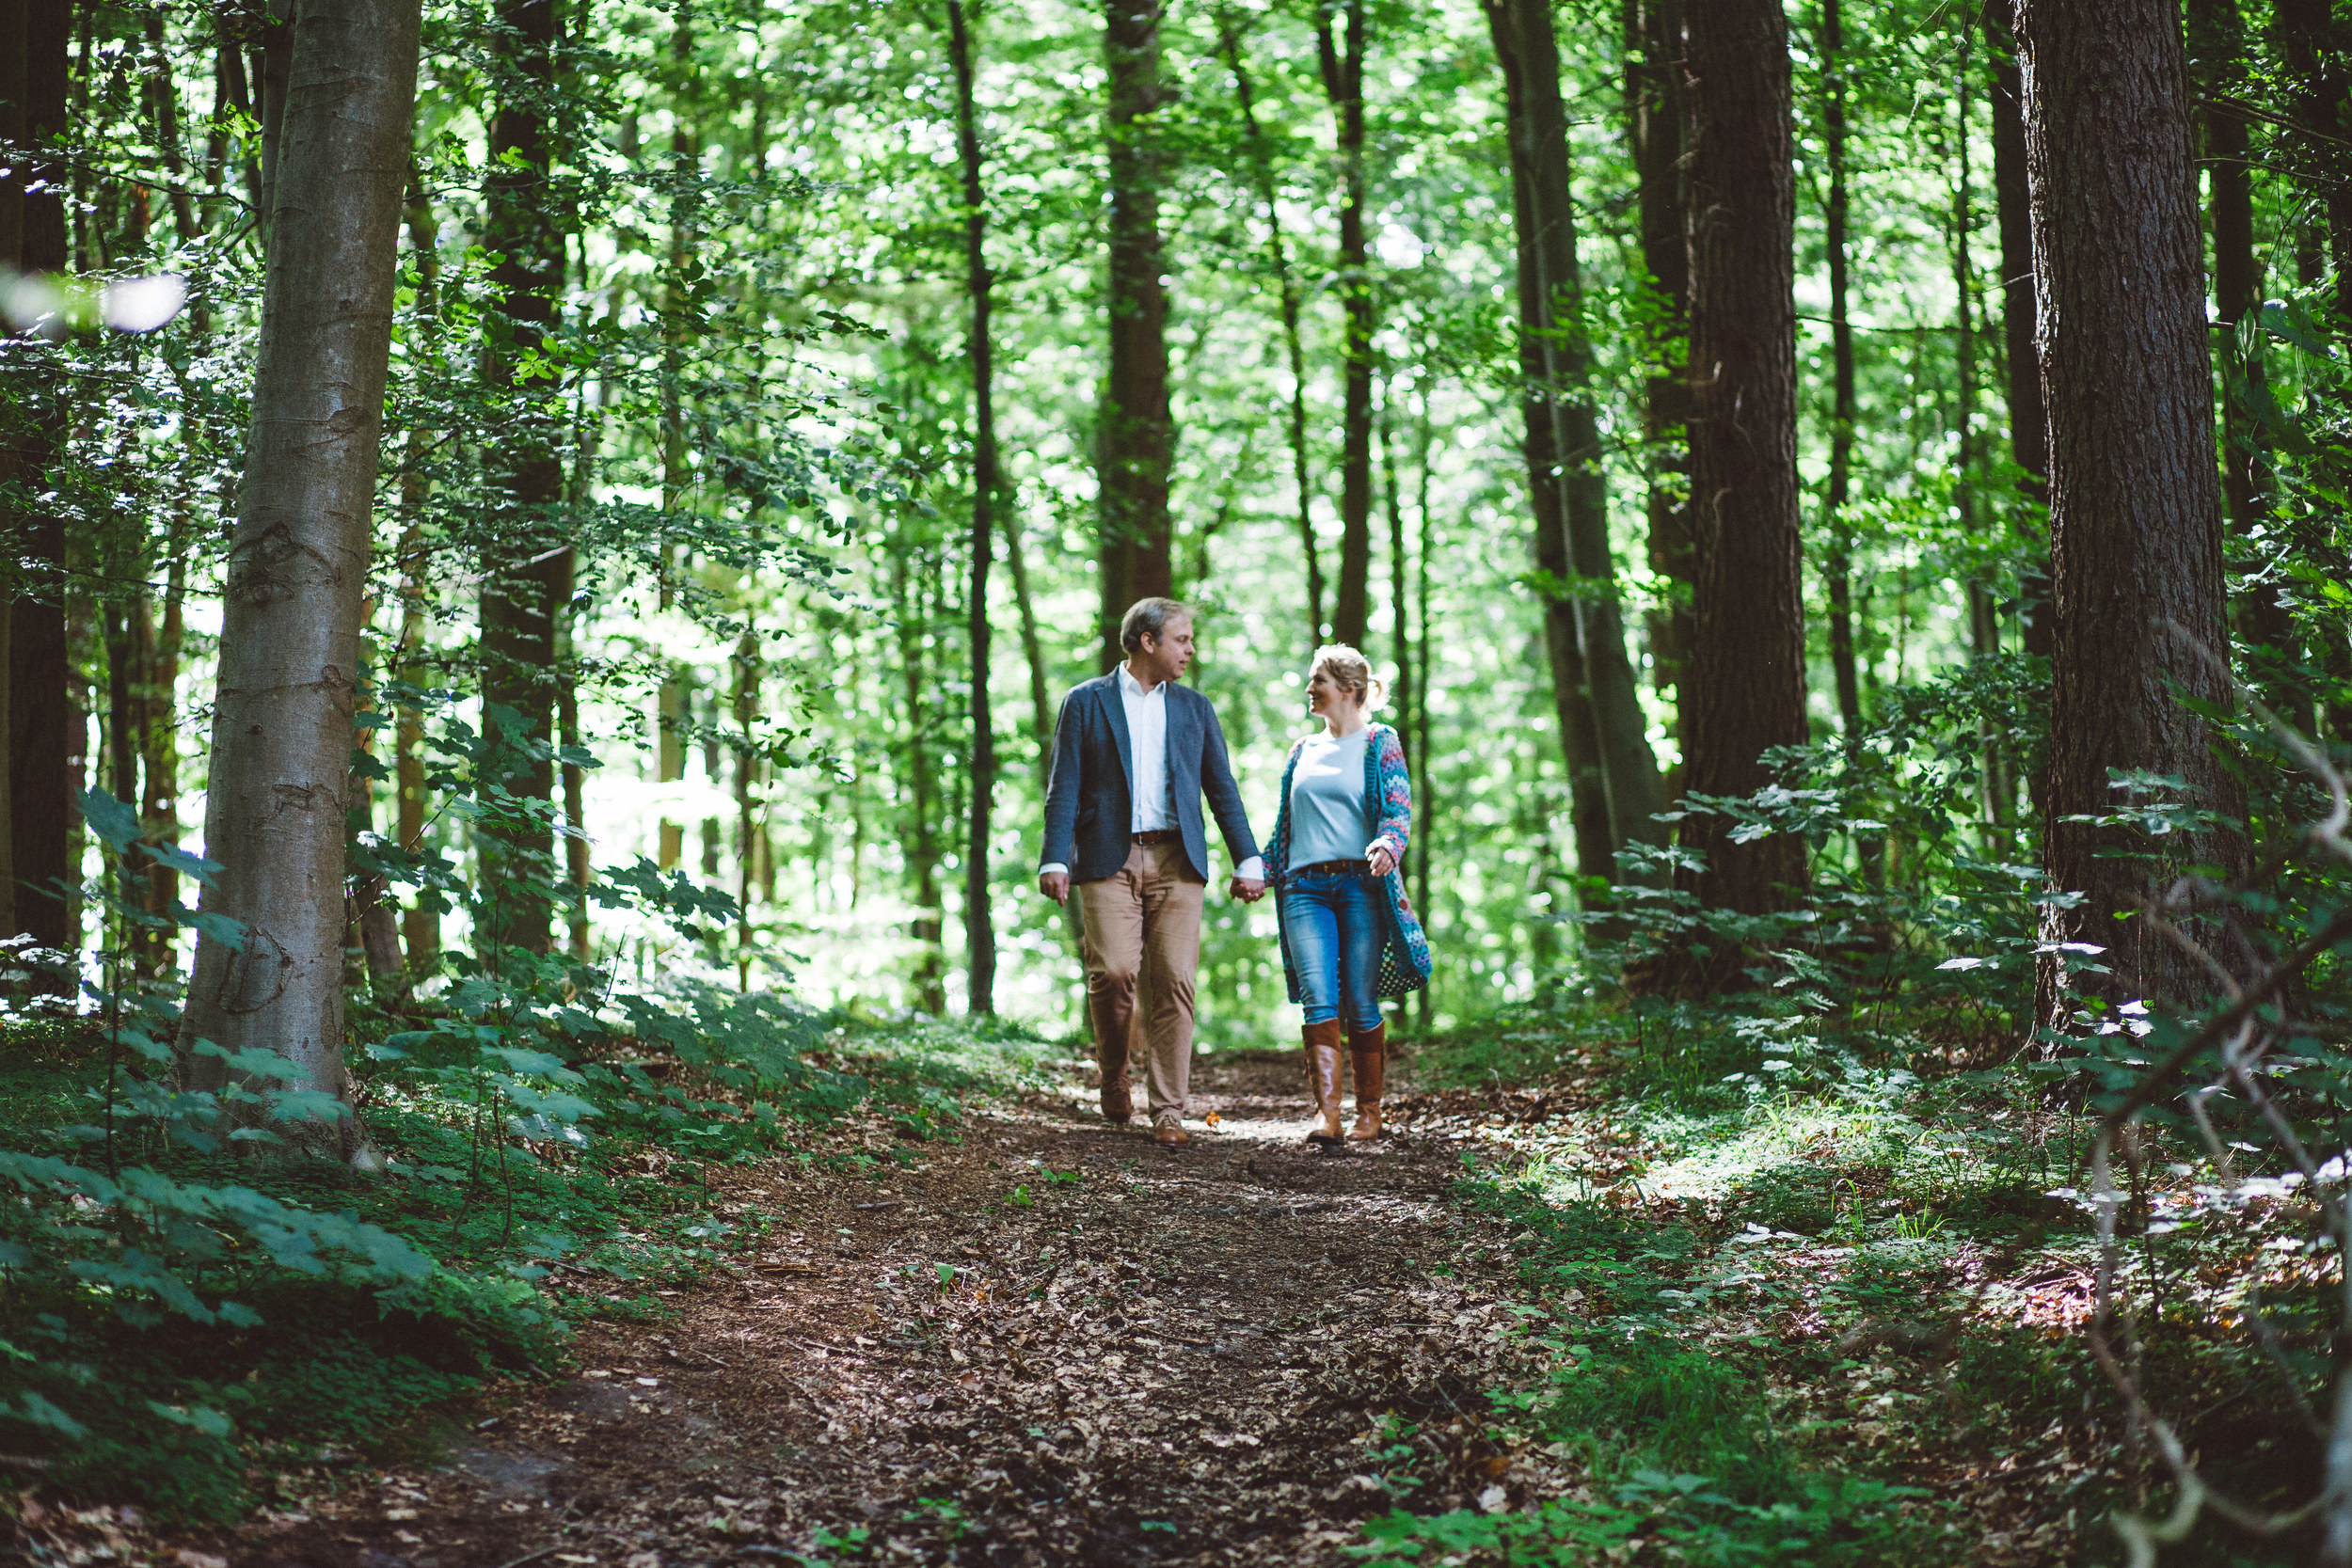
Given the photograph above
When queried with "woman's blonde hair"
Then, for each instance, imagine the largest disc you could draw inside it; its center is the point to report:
(1353, 671)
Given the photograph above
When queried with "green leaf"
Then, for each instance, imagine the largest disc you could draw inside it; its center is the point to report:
(208, 1421)
(109, 818)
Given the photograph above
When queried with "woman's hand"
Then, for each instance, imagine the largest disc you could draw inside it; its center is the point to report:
(1379, 859)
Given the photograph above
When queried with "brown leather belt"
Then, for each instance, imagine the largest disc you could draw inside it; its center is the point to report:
(1333, 868)
(1157, 835)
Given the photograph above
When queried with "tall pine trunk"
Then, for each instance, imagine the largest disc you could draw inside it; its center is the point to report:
(1136, 432)
(1343, 85)
(527, 573)
(1572, 533)
(1747, 673)
(979, 932)
(2134, 487)
(282, 730)
(1655, 116)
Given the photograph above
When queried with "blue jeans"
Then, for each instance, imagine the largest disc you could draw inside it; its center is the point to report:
(1335, 928)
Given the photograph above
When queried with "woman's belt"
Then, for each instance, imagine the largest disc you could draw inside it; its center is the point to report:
(1333, 868)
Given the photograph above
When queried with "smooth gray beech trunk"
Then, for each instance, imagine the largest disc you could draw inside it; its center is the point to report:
(298, 562)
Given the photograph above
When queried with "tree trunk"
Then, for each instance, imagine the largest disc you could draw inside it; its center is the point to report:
(1539, 445)
(1838, 567)
(2309, 48)
(918, 825)
(17, 453)
(1261, 161)
(1137, 433)
(2217, 45)
(1994, 788)
(1400, 594)
(420, 925)
(1655, 115)
(271, 62)
(979, 932)
(1748, 663)
(298, 562)
(2135, 501)
(1424, 791)
(676, 472)
(1343, 85)
(527, 570)
(41, 792)
(1572, 539)
(747, 673)
(2029, 424)
(1032, 650)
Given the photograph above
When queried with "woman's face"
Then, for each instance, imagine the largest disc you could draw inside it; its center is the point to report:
(1325, 695)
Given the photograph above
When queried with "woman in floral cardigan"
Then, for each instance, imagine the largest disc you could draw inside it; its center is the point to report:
(1349, 938)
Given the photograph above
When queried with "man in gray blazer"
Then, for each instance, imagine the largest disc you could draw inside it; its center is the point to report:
(1133, 755)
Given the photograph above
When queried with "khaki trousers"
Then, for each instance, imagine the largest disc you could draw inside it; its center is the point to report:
(1142, 944)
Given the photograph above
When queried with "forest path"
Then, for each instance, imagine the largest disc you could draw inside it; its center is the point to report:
(1143, 1355)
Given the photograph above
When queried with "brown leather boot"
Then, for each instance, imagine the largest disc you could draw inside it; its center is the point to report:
(1323, 1079)
(1370, 1049)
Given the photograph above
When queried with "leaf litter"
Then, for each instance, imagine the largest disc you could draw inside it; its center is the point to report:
(1052, 1342)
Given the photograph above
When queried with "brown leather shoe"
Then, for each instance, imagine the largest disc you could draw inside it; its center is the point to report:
(1322, 1042)
(1171, 1133)
(1371, 1052)
(1118, 1107)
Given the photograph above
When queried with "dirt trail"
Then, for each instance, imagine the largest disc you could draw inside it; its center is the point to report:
(1143, 1355)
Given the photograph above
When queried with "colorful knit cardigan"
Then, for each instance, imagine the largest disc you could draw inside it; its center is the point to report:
(1388, 819)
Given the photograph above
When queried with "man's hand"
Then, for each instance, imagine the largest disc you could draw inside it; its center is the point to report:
(1054, 885)
(1247, 889)
(1379, 860)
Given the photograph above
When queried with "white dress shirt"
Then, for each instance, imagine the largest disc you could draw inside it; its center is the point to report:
(1147, 743)
(1153, 811)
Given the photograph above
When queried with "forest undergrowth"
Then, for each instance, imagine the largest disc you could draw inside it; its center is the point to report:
(1828, 1304)
(1692, 1303)
(501, 1245)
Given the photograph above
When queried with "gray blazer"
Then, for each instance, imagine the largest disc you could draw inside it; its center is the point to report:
(1090, 803)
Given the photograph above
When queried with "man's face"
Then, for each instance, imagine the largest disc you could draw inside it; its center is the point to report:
(1170, 652)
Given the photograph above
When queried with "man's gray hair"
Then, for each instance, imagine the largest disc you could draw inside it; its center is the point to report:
(1150, 618)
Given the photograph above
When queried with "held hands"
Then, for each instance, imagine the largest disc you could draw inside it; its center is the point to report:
(1247, 889)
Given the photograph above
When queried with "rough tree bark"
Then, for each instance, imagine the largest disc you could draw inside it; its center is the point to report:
(1343, 85)
(1747, 669)
(979, 932)
(527, 565)
(298, 560)
(1655, 113)
(1572, 533)
(40, 801)
(2134, 487)
(1136, 432)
